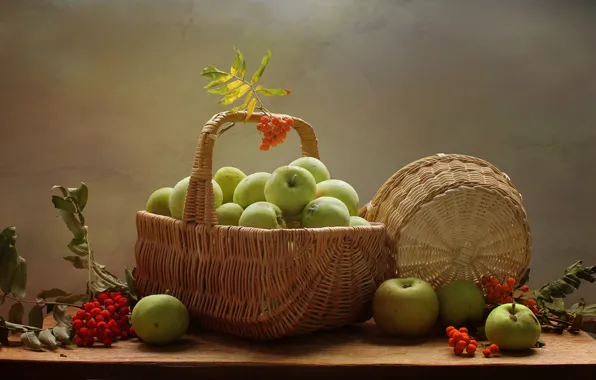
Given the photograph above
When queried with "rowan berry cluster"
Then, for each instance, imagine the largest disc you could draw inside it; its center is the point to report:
(103, 320)
(493, 349)
(500, 292)
(274, 130)
(461, 341)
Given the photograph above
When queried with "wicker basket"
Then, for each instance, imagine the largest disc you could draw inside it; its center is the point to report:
(453, 216)
(255, 283)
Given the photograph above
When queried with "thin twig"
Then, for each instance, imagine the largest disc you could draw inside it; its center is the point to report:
(45, 303)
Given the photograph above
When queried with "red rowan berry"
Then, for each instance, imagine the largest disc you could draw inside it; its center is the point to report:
(463, 330)
(89, 341)
(92, 332)
(83, 331)
(108, 302)
(131, 331)
(486, 352)
(77, 324)
(470, 348)
(494, 281)
(91, 323)
(124, 310)
(107, 332)
(102, 297)
(95, 312)
(473, 342)
(96, 304)
(99, 318)
(123, 302)
(511, 281)
(79, 341)
(112, 324)
(451, 342)
(101, 325)
(465, 338)
(88, 306)
(87, 316)
(275, 120)
(449, 329)
(264, 146)
(123, 319)
(461, 345)
(107, 342)
(264, 119)
(124, 335)
(80, 314)
(456, 336)
(106, 314)
(484, 280)
(289, 121)
(525, 289)
(534, 309)
(494, 349)
(531, 302)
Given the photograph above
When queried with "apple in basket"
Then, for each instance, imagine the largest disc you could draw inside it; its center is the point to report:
(341, 190)
(405, 307)
(178, 196)
(290, 188)
(228, 178)
(314, 166)
(325, 212)
(251, 189)
(262, 215)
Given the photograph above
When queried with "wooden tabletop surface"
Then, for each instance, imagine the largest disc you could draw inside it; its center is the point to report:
(359, 351)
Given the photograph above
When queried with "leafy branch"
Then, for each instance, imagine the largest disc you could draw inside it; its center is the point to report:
(70, 208)
(234, 85)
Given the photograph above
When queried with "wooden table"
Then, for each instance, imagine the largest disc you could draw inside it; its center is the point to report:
(356, 351)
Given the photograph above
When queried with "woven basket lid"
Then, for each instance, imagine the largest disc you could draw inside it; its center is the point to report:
(452, 216)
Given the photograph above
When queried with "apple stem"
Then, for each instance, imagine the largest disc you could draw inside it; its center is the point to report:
(293, 180)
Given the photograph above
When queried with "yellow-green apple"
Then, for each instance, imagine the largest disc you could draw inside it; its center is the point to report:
(314, 166)
(160, 319)
(262, 215)
(358, 221)
(461, 302)
(341, 190)
(228, 178)
(325, 212)
(251, 189)
(178, 197)
(229, 214)
(290, 188)
(512, 327)
(159, 202)
(405, 307)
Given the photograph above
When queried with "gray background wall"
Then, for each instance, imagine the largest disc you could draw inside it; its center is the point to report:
(109, 92)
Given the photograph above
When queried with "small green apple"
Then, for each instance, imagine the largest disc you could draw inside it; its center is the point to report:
(405, 307)
(262, 215)
(228, 178)
(461, 302)
(159, 202)
(229, 214)
(251, 189)
(341, 190)
(512, 327)
(325, 212)
(178, 197)
(290, 188)
(314, 166)
(358, 221)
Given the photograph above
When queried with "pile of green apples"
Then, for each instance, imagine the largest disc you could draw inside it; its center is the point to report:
(410, 307)
(301, 194)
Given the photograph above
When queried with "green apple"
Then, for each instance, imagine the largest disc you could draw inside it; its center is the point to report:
(228, 178)
(405, 307)
(290, 188)
(159, 202)
(229, 214)
(178, 196)
(512, 327)
(341, 190)
(262, 215)
(461, 302)
(325, 212)
(314, 166)
(160, 319)
(251, 189)
(358, 221)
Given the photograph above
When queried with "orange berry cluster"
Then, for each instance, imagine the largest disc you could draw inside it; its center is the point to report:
(274, 130)
(103, 320)
(530, 303)
(493, 349)
(461, 341)
(498, 292)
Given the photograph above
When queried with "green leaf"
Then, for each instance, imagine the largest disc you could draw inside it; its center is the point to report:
(235, 94)
(573, 267)
(244, 104)
(31, 341)
(63, 204)
(130, 280)
(73, 299)
(78, 262)
(572, 280)
(79, 246)
(19, 279)
(227, 88)
(558, 304)
(83, 196)
(239, 65)
(213, 73)
(15, 313)
(272, 91)
(36, 316)
(60, 315)
(78, 230)
(583, 309)
(257, 75)
(62, 189)
(539, 343)
(48, 339)
(52, 293)
(62, 334)
(251, 108)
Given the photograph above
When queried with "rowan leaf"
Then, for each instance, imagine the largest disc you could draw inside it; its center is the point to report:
(62, 189)
(31, 341)
(79, 246)
(78, 230)
(63, 204)
(52, 293)
(15, 313)
(244, 104)
(19, 279)
(78, 262)
(257, 75)
(36, 316)
(235, 94)
(82, 196)
(213, 73)
(48, 339)
(60, 316)
(251, 108)
(227, 87)
(272, 91)
(130, 280)
(239, 65)
(72, 299)
(62, 334)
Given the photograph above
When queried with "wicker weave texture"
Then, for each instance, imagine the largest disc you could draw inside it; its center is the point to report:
(254, 283)
(453, 216)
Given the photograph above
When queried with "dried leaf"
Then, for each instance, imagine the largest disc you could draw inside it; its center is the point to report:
(15, 313)
(78, 262)
(31, 341)
(572, 280)
(63, 204)
(239, 65)
(62, 334)
(60, 315)
(251, 108)
(257, 75)
(19, 279)
(36, 316)
(558, 304)
(52, 293)
(583, 309)
(272, 91)
(525, 278)
(47, 338)
(79, 246)
(76, 228)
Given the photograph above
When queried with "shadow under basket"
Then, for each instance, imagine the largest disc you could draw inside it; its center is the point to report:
(257, 283)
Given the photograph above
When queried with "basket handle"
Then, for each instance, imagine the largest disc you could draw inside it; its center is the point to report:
(199, 205)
